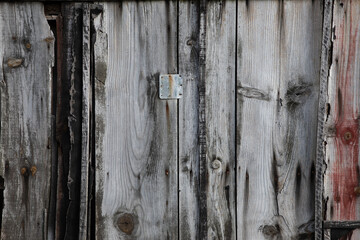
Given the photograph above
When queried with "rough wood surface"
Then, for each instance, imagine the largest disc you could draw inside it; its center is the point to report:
(136, 132)
(86, 109)
(320, 154)
(342, 189)
(26, 52)
(277, 83)
(220, 118)
(188, 120)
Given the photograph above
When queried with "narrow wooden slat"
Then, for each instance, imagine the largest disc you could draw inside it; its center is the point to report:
(188, 41)
(220, 119)
(136, 132)
(324, 74)
(278, 61)
(26, 52)
(341, 181)
(86, 106)
(341, 224)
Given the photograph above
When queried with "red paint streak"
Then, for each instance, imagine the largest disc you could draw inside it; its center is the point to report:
(344, 172)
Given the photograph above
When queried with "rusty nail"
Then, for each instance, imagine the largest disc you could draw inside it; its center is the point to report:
(216, 164)
(357, 191)
(23, 171)
(126, 223)
(33, 170)
(347, 136)
(166, 172)
(28, 45)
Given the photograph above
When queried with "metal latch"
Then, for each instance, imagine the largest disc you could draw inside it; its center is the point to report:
(170, 86)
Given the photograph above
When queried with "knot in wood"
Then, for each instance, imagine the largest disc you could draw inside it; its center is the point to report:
(216, 164)
(33, 170)
(357, 191)
(126, 223)
(13, 63)
(348, 136)
(23, 171)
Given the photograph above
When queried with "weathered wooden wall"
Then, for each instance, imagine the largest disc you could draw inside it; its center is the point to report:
(88, 149)
(247, 121)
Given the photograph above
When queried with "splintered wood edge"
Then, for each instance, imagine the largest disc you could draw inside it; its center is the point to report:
(324, 74)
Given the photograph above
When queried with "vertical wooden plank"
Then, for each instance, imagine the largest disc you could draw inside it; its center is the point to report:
(86, 106)
(26, 51)
(136, 132)
(326, 49)
(220, 119)
(342, 121)
(277, 84)
(188, 41)
(69, 121)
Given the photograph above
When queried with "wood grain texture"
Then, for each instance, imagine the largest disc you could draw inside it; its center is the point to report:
(342, 122)
(326, 49)
(278, 61)
(86, 109)
(136, 142)
(26, 51)
(220, 118)
(188, 43)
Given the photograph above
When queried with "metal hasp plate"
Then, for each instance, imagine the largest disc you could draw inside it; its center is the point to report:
(170, 86)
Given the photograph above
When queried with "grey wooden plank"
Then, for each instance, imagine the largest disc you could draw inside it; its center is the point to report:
(26, 51)
(86, 108)
(277, 83)
(220, 119)
(324, 74)
(136, 132)
(188, 42)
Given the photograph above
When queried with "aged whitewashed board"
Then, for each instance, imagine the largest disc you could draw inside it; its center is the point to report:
(26, 53)
(188, 42)
(136, 132)
(220, 119)
(278, 60)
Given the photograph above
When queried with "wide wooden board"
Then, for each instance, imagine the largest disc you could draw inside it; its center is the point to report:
(278, 61)
(341, 131)
(136, 132)
(26, 53)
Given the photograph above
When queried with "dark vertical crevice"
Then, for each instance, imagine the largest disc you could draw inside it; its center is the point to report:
(92, 207)
(203, 175)
(68, 123)
(55, 22)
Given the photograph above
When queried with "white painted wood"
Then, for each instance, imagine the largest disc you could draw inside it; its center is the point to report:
(188, 120)
(26, 53)
(136, 132)
(220, 118)
(278, 62)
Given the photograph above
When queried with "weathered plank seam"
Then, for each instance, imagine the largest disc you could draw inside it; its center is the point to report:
(202, 124)
(324, 74)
